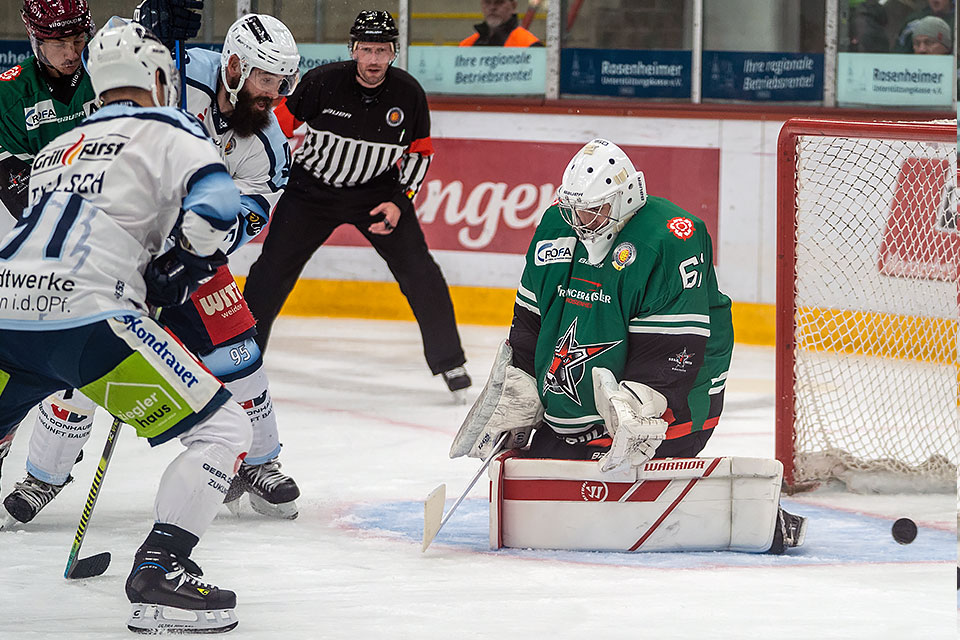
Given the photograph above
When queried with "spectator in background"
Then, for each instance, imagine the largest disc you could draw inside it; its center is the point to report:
(932, 36)
(942, 9)
(867, 27)
(500, 27)
(897, 12)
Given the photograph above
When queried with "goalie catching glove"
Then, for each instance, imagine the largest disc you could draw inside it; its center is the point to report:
(631, 412)
(508, 403)
(173, 276)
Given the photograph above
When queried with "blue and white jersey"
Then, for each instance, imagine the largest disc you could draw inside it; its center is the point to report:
(259, 164)
(103, 198)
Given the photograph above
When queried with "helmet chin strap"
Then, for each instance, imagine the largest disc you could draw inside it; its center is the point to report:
(233, 93)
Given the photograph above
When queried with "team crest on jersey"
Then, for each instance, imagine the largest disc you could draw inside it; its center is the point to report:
(681, 227)
(11, 74)
(682, 360)
(231, 145)
(623, 255)
(395, 116)
(568, 365)
(556, 250)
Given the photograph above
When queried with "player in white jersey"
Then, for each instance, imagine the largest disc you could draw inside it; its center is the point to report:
(232, 95)
(76, 276)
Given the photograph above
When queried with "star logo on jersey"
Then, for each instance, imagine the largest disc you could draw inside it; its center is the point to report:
(568, 365)
(682, 360)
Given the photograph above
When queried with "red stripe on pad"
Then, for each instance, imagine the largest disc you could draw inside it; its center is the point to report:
(580, 490)
(673, 505)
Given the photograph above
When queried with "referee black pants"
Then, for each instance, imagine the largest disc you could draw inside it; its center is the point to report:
(298, 229)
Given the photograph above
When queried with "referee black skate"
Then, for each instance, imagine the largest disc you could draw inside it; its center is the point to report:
(366, 152)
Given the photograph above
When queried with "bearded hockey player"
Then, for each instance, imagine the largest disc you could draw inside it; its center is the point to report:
(232, 94)
(83, 261)
(621, 339)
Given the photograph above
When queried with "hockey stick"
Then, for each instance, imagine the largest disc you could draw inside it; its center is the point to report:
(94, 565)
(182, 72)
(433, 518)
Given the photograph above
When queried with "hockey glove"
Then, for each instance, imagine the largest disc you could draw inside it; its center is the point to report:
(631, 411)
(173, 276)
(508, 403)
(170, 20)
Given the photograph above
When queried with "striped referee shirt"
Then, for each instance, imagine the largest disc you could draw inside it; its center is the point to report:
(356, 136)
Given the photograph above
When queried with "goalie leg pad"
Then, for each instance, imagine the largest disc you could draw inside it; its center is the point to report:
(509, 402)
(677, 504)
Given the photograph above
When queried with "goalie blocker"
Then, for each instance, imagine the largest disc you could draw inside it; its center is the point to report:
(673, 504)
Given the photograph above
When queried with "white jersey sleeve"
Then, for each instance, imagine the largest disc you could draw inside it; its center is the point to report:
(259, 164)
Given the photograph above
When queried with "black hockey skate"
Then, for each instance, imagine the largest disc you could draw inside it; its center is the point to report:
(272, 493)
(789, 532)
(28, 498)
(457, 381)
(168, 596)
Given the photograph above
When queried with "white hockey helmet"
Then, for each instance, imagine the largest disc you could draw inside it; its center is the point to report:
(127, 54)
(262, 42)
(600, 174)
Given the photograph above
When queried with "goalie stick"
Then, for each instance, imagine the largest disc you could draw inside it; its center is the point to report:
(94, 565)
(433, 517)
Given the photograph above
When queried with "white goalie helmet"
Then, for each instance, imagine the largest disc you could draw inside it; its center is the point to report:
(127, 54)
(600, 174)
(261, 42)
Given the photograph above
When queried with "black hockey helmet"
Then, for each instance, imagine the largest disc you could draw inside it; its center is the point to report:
(374, 26)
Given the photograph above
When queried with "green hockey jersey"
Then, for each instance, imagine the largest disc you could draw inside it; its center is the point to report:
(30, 117)
(651, 312)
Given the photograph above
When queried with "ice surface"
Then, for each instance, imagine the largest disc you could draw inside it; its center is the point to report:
(366, 432)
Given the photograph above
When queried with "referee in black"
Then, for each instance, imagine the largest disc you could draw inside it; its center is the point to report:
(364, 156)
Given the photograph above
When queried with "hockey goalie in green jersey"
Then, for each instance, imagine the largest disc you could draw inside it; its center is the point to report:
(621, 338)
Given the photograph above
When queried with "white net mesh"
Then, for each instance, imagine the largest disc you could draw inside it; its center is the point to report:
(876, 320)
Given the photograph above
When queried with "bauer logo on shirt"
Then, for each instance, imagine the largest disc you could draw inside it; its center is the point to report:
(552, 251)
(395, 116)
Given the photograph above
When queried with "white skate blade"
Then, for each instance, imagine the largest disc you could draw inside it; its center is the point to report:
(459, 396)
(157, 618)
(234, 507)
(284, 510)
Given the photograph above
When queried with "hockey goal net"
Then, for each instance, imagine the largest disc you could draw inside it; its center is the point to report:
(867, 305)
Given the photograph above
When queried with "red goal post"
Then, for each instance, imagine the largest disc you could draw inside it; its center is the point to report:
(867, 304)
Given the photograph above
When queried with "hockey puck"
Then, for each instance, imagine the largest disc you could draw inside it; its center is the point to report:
(904, 531)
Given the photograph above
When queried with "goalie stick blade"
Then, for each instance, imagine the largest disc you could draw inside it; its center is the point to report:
(433, 514)
(88, 567)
